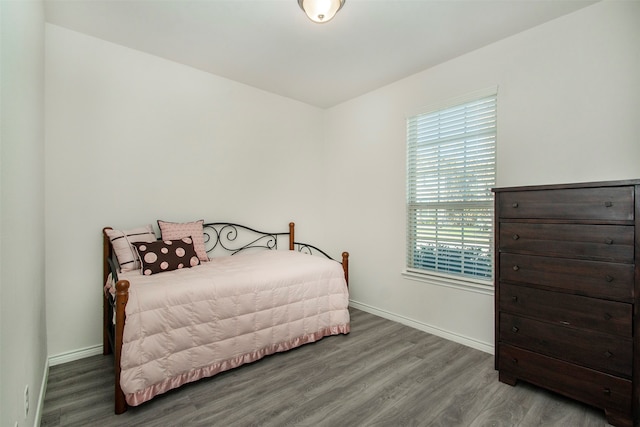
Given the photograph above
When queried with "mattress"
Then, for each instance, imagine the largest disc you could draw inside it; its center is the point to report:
(192, 323)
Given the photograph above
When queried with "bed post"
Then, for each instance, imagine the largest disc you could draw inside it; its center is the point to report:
(345, 266)
(291, 236)
(106, 253)
(122, 296)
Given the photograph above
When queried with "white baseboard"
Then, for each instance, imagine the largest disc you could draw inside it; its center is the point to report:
(70, 356)
(460, 339)
(43, 390)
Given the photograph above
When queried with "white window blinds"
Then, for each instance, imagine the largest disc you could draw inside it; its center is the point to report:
(451, 169)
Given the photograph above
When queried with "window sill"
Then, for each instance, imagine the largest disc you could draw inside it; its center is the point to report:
(479, 286)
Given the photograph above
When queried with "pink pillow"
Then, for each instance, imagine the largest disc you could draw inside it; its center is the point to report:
(121, 241)
(179, 230)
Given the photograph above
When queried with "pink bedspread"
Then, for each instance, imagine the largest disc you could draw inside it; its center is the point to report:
(193, 323)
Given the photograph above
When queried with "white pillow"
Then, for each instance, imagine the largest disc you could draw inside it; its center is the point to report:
(125, 252)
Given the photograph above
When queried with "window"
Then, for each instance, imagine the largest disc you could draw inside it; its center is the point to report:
(451, 169)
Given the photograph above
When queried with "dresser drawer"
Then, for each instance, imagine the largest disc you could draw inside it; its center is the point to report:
(608, 353)
(606, 203)
(589, 386)
(613, 243)
(562, 309)
(589, 278)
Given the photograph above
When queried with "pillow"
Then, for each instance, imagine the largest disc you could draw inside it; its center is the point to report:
(121, 243)
(176, 230)
(166, 255)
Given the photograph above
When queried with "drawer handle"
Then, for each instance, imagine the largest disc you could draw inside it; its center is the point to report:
(514, 360)
(515, 329)
(516, 237)
(514, 298)
(608, 204)
(608, 354)
(516, 268)
(609, 241)
(609, 278)
(514, 205)
(607, 316)
(606, 391)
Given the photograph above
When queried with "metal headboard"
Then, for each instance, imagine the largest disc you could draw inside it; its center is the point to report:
(233, 238)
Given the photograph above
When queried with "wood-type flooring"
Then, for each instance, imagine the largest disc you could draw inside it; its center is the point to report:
(382, 374)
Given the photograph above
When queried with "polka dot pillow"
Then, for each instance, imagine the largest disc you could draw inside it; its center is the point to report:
(166, 255)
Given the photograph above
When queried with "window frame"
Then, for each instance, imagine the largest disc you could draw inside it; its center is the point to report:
(482, 284)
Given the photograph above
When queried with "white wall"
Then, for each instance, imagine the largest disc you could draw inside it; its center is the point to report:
(23, 350)
(568, 103)
(132, 138)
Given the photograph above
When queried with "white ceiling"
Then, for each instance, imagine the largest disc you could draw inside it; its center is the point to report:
(272, 45)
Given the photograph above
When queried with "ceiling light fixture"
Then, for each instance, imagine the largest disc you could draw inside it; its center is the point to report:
(321, 11)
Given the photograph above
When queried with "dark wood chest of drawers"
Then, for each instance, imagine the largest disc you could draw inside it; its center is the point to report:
(567, 286)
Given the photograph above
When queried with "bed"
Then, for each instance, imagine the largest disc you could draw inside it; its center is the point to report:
(232, 295)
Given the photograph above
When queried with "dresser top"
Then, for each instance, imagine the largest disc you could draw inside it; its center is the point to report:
(567, 186)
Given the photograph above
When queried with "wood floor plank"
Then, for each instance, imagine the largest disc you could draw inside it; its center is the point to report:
(381, 374)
